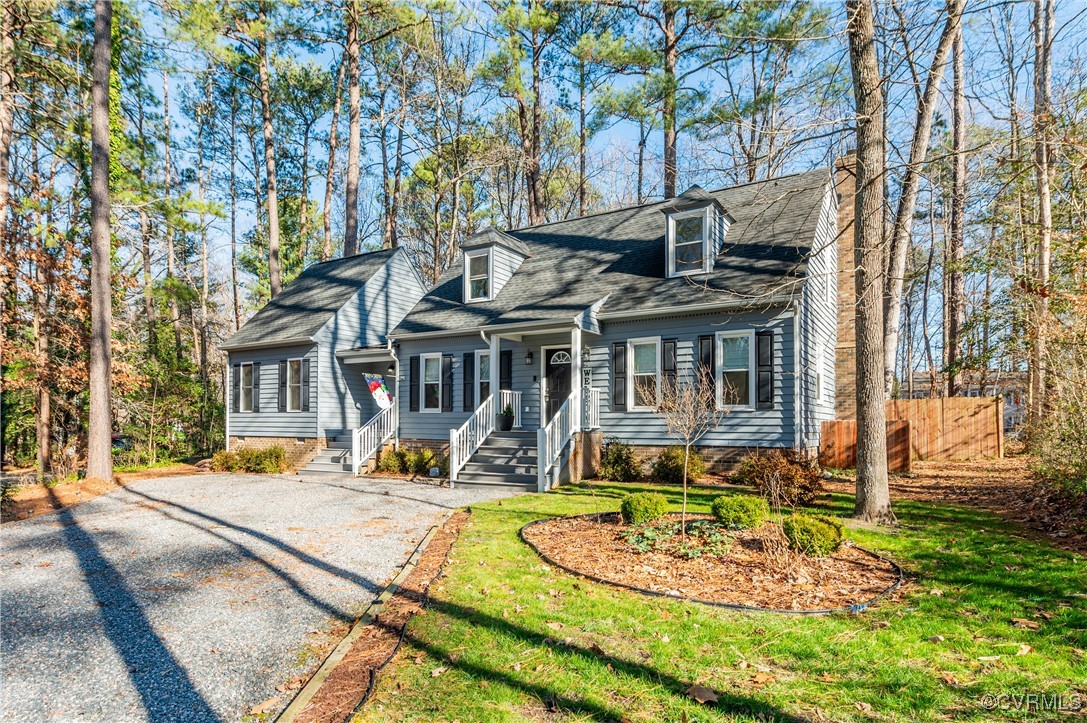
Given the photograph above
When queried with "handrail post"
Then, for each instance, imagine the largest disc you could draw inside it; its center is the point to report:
(355, 452)
(541, 455)
(453, 457)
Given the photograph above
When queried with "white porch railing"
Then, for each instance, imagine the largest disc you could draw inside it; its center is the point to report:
(551, 440)
(508, 397)
(367, 439)
(592, 409)
(465, 441)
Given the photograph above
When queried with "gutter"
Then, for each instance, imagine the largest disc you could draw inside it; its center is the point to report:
(659, 311)
(266, 344)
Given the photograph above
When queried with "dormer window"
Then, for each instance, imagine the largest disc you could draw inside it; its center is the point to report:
(689, 241)
(478, 283)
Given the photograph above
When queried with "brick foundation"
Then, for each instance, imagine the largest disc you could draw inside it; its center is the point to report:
(719, 460)
(299, 450)
(418, 445)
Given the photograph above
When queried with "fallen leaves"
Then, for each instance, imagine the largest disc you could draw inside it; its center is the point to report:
(266, 706)
(438, 671)
(1025, 623)
(937, 639)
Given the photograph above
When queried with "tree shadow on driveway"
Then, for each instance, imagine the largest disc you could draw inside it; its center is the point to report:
(165, 688)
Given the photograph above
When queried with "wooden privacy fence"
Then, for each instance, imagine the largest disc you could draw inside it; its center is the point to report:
(953, 428)
(838, 445)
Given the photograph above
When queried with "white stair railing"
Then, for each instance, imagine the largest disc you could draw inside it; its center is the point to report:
(551, 440)
(464, 442)
(592, 409)
(367, 439)
(510, 398)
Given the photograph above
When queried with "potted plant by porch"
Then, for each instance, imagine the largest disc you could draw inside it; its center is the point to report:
(505, 418)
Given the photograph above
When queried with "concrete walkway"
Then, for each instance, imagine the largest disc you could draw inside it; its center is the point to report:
(191, 598)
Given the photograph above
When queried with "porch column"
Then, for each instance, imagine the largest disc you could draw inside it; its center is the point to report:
(575, 371)
(495, 378)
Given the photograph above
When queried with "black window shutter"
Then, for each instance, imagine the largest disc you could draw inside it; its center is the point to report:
(282, 385)
(706, 354)
(668, 362)
(764, 364)
(447, 383)
(469, 380)
(505, 369)
(619, 377)
(305, 385)
(234, 404)
(256, 386)
(413, 384)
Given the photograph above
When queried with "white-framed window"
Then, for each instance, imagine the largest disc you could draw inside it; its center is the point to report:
(817, 371)
(430, 391)
(245, 385)
(478, 277)
(689, 242)
(736, 369)
(294, 385)
(483, 377)
(643, 377)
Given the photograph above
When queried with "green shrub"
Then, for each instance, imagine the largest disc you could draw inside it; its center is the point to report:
(223, 461)
(740, 512)
(668, 467)
(263, 461)
(392, 462)
(642, 507)
(427, 458)
(813, 535)
(443, 466)
(786, 475)
(617, 462)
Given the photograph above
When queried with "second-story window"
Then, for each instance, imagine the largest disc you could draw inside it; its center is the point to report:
(688, 237)
(477, 281)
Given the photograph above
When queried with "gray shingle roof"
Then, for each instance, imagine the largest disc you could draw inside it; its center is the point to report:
(621, 254)
(305, 304)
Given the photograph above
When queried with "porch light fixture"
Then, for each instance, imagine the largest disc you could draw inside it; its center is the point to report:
(391, 370)
(528, 358)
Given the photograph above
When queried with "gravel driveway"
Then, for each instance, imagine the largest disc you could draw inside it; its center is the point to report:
(191, 598)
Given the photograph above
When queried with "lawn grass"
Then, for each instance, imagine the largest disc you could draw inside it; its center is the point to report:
(490, 646)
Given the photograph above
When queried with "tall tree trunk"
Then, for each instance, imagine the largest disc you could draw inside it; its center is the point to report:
(668, 11)
(956, 238)
(582, 140)
(533, 178)
(42, 408)
(100, 420)
(330, 172)
(392, 218)
(873, 495)
(303, 203)
(1043, 69)
(274, 280)
(175, 312)
(145, 240)
(7, 105)
(234, 208)
(907, 201)
(354, 138)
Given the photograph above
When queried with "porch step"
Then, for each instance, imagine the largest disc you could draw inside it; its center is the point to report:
(326, 468)
(494, 455)
(477, 467)
(337, 443)
(509, 481)
(333, 455)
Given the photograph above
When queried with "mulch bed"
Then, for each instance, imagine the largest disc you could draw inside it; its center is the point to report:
(1003, 486)
(347, 685)
(594, 546)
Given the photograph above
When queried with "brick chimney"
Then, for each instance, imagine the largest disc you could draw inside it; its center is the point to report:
(845, 353)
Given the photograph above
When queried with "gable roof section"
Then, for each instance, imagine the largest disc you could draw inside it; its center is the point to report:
(308, 302)
(621, 255)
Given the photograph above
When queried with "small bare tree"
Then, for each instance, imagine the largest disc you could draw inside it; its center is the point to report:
(688, 405)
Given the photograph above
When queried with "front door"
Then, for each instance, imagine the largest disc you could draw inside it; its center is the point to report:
(557, 367)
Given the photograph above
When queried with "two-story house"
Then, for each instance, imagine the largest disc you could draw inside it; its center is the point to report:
(578, 325)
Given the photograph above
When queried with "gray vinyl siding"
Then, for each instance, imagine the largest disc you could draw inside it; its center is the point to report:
(506, 262)
(758, 428)
(269, 421)
(755, 428)
(819, 323)
(436, 425)
(365, 321)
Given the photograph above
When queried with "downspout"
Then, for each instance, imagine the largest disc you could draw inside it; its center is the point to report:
(797, 378)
